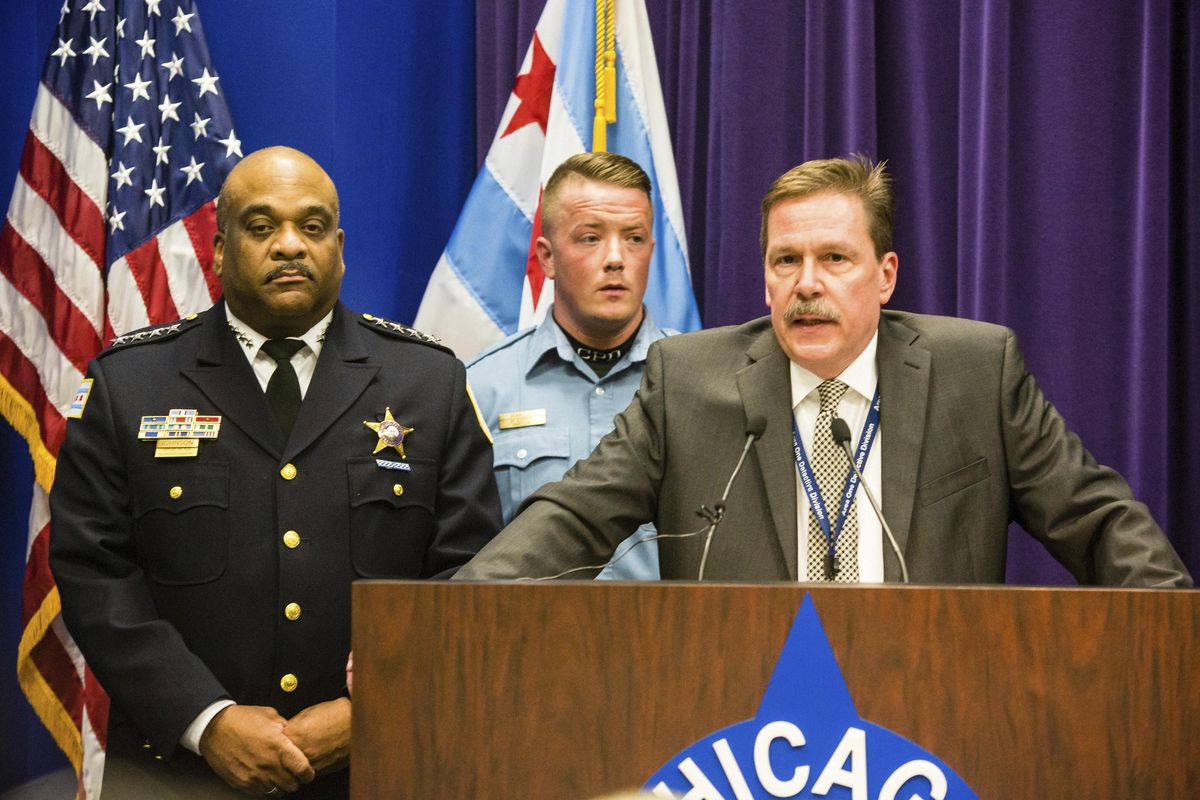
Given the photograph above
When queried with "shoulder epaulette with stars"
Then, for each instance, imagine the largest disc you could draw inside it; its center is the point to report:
(403, 331)
(154, 333)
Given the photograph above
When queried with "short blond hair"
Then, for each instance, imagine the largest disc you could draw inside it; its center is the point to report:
(610, 168)
(857, 175)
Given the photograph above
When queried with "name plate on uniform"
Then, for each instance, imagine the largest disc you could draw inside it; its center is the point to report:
(522, 419)
(176, 448)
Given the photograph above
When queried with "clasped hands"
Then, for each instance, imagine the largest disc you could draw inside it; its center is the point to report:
(257, 751)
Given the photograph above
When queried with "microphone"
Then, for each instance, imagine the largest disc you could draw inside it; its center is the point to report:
(841, 436)
(714, 515)
(754, 430)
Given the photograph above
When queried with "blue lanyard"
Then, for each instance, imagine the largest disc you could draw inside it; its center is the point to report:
(808, 481)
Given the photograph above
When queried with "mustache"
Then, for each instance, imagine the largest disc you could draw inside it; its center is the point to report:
(801, 307)
(290, 266)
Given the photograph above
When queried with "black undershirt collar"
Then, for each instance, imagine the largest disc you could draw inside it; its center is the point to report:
(601, 361)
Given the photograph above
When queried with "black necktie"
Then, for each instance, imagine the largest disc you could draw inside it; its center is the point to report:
(283, 390)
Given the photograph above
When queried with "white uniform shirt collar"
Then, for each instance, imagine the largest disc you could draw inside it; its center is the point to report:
(252, 341)
(304, 362)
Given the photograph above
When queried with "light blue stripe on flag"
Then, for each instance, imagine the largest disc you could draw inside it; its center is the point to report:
(488, 249)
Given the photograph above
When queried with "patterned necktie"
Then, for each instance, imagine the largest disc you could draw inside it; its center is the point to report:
(830, 469)
(283, 390)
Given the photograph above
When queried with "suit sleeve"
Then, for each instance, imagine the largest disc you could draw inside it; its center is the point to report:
(600, 502)
(139, 658)
(468, 504)
(1083, 512)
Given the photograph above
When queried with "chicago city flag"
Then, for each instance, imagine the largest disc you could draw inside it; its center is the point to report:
(487, 283)
(109, 228)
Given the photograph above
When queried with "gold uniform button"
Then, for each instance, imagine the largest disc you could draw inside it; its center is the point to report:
(368, 318)
(292, 611)
(289, 471)
(291, 539)
(176, 492)
(289, 682)
(190, 317)
(397, 490)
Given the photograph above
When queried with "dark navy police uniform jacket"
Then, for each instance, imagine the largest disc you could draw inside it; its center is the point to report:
(227, 573)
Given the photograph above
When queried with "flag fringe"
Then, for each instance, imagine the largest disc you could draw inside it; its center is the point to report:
(45, 702)
(16, 409)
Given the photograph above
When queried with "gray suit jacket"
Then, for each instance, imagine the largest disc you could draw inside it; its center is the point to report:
(972, 444)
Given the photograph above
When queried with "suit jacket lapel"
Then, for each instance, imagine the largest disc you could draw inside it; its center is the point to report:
(765, 387)
(343, 373)
(904, 393)
(223, 374)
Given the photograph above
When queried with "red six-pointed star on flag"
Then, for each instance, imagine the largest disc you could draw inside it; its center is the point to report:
(534, 88)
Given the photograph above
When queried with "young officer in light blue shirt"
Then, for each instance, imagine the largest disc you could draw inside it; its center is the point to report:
(550, 392)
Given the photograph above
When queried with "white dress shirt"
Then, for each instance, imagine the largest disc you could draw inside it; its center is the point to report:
(862, 376)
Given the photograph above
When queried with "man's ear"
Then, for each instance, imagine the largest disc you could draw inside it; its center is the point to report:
(890, 266)
(218, 253)
(545, 256)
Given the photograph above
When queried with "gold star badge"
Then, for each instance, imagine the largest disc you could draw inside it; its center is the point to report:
(391, 433)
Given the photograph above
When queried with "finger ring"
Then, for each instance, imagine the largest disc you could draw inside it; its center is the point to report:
(274, 790)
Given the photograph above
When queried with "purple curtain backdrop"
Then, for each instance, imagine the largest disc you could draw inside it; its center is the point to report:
(1045, 156)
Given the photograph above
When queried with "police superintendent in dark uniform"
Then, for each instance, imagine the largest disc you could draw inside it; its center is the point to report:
(214, 567)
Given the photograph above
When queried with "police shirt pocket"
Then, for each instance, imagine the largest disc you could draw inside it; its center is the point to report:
(527, 458)
(180, 521)
(955, 481)
(391, 516)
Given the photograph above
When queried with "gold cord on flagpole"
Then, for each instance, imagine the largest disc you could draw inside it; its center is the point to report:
(599, 123)
(610, 63)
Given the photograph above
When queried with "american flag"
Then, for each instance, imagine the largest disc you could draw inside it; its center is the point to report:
(109, 228)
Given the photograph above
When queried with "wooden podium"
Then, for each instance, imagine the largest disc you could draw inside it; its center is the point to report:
(567, 691)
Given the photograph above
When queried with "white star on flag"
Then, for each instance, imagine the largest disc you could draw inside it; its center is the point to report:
(173, 67)
(181, 21)
(64, 51)
(138, 86)
(155, 193)
(131, 130)
(168, 109)
(96, 50)
(206, 82)
(147, 44)
(99, 93)
(232, 144)
(199, 125)
(122, 175)
(160, 152)
(193, 171)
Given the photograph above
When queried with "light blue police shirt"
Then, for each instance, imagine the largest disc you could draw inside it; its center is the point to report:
(537, 370)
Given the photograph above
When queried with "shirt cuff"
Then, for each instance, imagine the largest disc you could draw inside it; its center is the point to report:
(191, 736)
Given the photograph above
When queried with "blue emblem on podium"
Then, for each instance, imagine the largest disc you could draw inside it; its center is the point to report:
(807, 741)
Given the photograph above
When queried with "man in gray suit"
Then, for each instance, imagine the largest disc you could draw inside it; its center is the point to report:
(952, 433)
